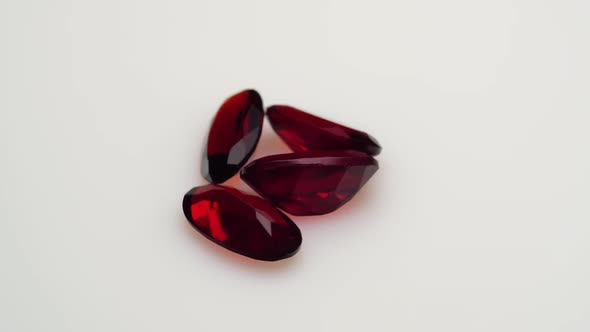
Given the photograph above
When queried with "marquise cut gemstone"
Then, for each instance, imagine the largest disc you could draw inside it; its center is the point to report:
(312, 182)
(245, 224)
(233, 136)
(303, 132)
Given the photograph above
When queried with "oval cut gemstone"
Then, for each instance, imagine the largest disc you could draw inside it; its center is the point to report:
(245, 224)
(303, 132)
(233, 136)
(312, 182)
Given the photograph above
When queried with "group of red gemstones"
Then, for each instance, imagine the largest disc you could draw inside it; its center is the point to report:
(330, 164)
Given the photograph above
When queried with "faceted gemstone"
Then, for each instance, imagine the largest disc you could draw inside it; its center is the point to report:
(233, 136)
(245, 224)
(303, 132)
(311, 182)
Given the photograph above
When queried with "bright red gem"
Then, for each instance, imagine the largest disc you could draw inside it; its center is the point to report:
(245, 224)
(303, 132)
(312, 182)
(233, 136)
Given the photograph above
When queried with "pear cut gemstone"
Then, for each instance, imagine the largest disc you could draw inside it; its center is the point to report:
(233, 136)
(312, 182)
(245, 224)
(304, 132)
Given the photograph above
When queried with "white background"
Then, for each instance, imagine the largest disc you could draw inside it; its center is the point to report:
(478, 219)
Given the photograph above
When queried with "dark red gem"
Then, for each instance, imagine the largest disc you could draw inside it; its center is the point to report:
(245, 224)
(303, 132)
(233, 136)
(312, 182)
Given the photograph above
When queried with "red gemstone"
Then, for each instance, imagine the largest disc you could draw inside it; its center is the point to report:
(312, 182)
(303, 131)
(233, 136)
(245, 224)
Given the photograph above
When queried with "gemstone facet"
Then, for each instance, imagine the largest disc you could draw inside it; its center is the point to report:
(233, 136)
(303, 132)
(245, 224)
(312, 182)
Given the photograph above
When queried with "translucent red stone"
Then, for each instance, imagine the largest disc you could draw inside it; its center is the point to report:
(312, 182)
(233, 136)
(245, 224)
(303, 132)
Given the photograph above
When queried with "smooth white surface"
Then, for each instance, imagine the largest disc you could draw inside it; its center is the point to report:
(478, 219)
